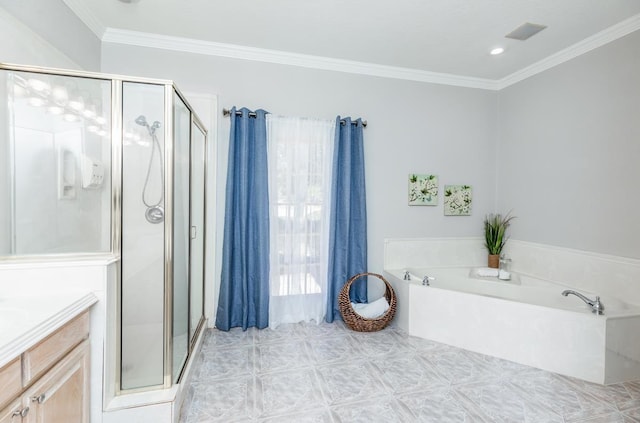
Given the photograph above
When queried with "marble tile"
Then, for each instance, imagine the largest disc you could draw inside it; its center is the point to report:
(614, 394)
(425, 345)
(440, 406)
(313, 330)
(336, 348)
(216, 339)
(560, 395)
(626, 406)
(386, 410)
(327, 373)
(376, 344)
(227, 400)
(284, 332)
(323, 415)
(350, 382)
(632, 413)
(633, 388)
(502, 403)
(504, 369)
(272, 357)
(610, 417)
(288, 392)
(460, 366)
(407, 373)
(224, 363)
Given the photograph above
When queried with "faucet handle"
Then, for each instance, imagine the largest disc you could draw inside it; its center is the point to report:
(407, 275)
(427, 279)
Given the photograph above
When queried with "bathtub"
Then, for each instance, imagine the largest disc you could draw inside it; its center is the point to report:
(525, 320)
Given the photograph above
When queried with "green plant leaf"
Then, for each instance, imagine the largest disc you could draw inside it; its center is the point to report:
(495, 231)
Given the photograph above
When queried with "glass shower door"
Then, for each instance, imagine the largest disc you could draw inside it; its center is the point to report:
(143, 236)
(198, 155)
(181, 230)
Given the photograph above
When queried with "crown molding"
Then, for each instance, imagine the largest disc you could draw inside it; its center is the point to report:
(597, 40)
(90, 20)
(142, 39)
(231, 51)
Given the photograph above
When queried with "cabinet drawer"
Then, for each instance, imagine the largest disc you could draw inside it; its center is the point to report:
(10, 385)
(42, 356)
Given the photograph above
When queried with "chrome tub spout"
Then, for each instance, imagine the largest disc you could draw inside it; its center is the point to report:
(596, 306)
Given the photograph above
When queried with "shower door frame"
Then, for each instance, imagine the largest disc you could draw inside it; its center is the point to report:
(169, 174)
(169, 177)
(112, 360)
(195, 120)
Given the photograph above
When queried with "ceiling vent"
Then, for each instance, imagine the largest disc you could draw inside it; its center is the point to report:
(525, 31)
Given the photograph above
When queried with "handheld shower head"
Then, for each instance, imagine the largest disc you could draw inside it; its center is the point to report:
(142, 121)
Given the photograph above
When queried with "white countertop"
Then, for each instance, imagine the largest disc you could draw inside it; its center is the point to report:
(27, 319)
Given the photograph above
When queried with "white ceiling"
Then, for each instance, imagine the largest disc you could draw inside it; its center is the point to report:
(437, 36)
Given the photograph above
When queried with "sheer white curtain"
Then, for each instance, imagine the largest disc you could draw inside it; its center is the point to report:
(300, 152)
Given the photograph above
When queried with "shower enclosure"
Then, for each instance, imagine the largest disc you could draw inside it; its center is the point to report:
(94, 165)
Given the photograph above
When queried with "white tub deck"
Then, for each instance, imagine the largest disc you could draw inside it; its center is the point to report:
(527, 321)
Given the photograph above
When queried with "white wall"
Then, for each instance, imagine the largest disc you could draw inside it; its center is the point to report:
(50, 23)
(26, 47)
(569, 152)
(413, 127)
(20, 45)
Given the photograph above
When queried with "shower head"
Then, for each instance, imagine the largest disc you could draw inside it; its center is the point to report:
(142, 121)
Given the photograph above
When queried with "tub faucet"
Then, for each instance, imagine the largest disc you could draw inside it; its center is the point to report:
(426, 279)
(596, 306)
(407, 276)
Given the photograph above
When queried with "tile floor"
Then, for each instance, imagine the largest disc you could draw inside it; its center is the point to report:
(327, 373)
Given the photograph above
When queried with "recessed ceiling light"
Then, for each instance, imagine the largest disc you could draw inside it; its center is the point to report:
(496, 51)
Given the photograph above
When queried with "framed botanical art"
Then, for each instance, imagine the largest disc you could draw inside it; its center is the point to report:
(423, 190)
(457, 200)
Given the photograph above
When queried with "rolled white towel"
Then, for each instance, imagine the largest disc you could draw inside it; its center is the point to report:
(371, 310)
(487, 272)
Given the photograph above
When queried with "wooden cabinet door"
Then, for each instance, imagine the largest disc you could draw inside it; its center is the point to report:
(62, 394)
(11, 413)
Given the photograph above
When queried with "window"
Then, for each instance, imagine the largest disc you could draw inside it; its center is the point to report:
(300, 156)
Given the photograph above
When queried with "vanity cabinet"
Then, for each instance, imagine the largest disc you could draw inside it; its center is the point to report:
(10, 381)
(53, 378)
(8, 414)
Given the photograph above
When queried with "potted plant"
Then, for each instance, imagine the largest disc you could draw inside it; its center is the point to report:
(495, 230)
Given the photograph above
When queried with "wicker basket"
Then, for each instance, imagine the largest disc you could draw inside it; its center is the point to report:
(357, 322)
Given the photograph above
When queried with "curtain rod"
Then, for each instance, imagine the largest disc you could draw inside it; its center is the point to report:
(227, 112)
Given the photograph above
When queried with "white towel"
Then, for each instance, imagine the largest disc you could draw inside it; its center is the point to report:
(487, 272)
(371, 310)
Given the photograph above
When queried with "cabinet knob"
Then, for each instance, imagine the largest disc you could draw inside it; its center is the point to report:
(38, 398)
(20, 413)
